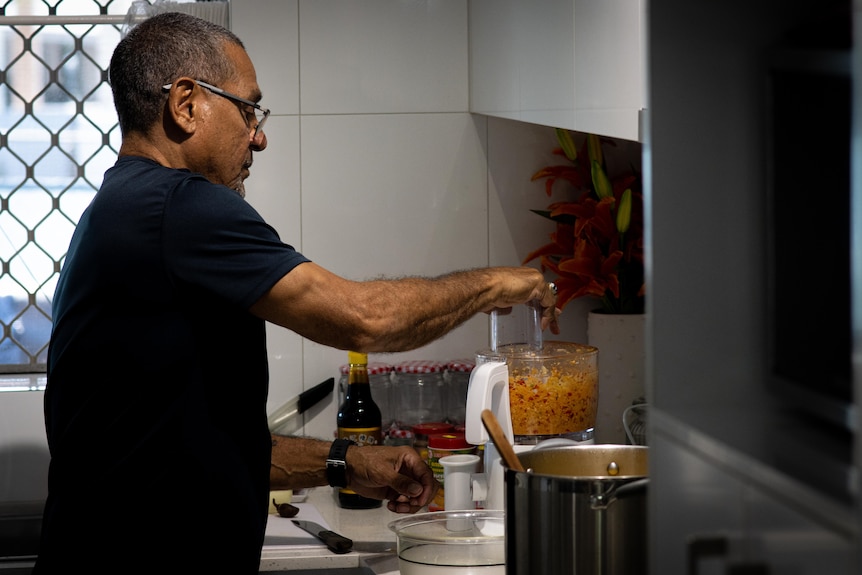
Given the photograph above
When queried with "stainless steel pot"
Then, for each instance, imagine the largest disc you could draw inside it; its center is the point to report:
(577, 510)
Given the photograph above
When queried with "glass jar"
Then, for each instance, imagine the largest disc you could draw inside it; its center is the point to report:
(417, 392)
(397, 436)
(457, 381)
(423, 431)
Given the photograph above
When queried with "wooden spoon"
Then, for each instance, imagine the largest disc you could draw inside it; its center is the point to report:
(503, 446)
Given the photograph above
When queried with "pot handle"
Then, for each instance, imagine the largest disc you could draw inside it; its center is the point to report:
(624, 491)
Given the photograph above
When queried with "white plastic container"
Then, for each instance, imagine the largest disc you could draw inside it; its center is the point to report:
(428, 546)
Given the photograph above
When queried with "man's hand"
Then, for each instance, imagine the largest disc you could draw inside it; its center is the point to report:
(396, 474)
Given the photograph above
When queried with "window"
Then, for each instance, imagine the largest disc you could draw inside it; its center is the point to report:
(58, 135)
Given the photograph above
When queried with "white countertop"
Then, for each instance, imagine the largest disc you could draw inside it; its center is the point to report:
(373, 542)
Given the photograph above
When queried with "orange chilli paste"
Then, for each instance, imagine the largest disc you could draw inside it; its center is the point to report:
(546, 402)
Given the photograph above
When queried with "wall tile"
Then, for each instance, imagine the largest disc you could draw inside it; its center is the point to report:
(270, 31)
(360, 56)
(394, 195)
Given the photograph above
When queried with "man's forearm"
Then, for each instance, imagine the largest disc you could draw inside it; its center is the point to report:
(298, 462)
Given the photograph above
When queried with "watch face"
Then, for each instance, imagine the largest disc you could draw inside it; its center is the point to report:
(336, 464)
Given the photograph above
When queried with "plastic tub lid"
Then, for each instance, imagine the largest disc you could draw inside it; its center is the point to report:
(432, 428)
(448, 441)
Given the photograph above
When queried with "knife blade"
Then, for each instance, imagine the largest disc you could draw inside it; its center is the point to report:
(335, 542)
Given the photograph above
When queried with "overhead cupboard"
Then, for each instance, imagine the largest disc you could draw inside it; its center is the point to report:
(576, 64)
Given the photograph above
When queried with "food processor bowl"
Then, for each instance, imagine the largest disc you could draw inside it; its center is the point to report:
(553, 391)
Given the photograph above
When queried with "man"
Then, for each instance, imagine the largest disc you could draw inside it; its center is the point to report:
(157, 370)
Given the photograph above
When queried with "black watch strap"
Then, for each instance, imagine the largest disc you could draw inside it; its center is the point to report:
(336, 463)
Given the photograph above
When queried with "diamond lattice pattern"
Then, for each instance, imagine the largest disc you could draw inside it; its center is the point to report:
(58, 135)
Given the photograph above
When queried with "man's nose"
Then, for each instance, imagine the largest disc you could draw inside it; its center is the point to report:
(258, 141)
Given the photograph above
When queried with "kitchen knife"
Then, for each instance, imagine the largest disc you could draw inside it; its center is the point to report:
(285, 420)
(335, 542)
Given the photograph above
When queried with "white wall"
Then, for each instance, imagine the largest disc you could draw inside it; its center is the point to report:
(23, 448)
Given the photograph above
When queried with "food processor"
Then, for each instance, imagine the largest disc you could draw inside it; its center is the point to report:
(543, 393)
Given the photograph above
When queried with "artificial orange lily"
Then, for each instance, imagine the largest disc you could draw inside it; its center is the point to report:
(596, 249)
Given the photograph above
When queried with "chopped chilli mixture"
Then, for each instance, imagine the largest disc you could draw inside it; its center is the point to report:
(546, 402)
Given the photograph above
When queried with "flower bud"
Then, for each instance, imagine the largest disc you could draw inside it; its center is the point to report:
(594, 146)
(566, 143)
(624, 212)
(601, 183)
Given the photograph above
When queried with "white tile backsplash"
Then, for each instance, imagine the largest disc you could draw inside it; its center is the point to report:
(394, 194)
(269, 29)
(383, 56)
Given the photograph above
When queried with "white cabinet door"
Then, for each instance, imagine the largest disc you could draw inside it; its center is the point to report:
(576, 64)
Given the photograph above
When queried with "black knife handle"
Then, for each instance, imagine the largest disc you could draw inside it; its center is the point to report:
(311, 396)
(336, 543)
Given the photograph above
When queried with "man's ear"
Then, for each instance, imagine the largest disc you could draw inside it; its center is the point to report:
(183, 107)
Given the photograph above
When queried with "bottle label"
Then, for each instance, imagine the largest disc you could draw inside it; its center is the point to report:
(361, 435)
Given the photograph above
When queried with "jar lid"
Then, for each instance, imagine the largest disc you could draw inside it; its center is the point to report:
(401, 433)
(432, 428)
(419, 366)
(448, 441)
(461, 365)
(374, 368)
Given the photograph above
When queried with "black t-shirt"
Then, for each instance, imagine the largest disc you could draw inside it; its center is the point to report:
(157, 378)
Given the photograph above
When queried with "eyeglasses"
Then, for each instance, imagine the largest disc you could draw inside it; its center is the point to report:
(260, 113)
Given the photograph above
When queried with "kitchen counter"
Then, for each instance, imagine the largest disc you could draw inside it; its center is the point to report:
(373, 542)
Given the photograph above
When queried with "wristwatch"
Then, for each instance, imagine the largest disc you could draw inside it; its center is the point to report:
(336, 463)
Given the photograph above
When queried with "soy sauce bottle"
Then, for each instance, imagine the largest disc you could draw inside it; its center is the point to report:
(359, 420)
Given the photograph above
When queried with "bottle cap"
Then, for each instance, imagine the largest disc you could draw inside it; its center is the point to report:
(374, 368)
(357, 357)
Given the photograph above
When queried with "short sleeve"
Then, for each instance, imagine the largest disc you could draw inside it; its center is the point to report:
(216, 241)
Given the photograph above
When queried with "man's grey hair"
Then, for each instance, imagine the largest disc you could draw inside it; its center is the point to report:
(157, 52)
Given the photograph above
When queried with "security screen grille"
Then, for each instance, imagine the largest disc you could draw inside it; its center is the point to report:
(58, 135)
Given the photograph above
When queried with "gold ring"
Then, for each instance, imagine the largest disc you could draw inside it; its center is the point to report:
(553, 288)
